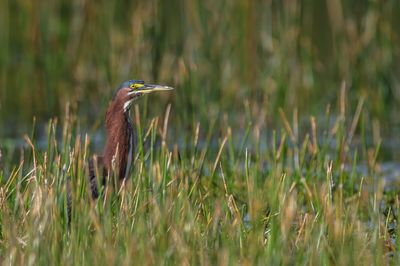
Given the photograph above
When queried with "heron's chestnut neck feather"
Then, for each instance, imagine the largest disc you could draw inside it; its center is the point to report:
(119, 133)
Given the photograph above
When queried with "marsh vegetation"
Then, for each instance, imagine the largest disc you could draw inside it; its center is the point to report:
(279, 144)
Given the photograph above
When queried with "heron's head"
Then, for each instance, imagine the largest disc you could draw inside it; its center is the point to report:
(130, 90)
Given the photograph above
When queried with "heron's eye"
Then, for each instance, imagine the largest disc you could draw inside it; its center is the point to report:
(135, 86)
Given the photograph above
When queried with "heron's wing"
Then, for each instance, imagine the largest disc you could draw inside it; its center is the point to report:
(95, 164)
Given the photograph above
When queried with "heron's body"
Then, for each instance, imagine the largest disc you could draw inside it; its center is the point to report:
(119, 143)
(119, 147)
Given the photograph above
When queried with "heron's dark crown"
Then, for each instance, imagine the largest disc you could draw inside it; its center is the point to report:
(127, 84)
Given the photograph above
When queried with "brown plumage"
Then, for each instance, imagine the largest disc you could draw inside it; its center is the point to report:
(119, 143)
(119, 147)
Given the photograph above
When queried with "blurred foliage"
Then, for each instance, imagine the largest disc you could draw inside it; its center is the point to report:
(216, 53)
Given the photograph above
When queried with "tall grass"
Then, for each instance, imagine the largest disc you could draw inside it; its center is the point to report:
(297, 199)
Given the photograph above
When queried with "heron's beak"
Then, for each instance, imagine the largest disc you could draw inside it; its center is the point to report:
(148, 88)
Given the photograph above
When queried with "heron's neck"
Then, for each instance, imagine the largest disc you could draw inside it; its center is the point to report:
(119, 142)
(117, 120)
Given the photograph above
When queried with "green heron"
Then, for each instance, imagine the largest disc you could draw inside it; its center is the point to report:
(119, 148)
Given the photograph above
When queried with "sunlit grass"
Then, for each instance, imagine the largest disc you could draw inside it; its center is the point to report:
(298, 199)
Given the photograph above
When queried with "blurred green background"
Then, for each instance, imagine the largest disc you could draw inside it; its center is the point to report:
(217, 54)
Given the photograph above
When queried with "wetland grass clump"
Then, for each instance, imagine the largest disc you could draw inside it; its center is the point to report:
(280, 197)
